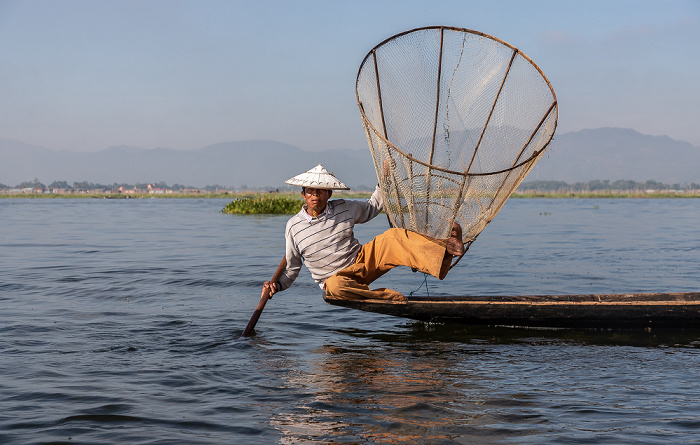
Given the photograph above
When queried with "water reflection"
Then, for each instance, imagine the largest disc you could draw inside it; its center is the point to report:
(377, 395)
(420, 332)
(447, 384)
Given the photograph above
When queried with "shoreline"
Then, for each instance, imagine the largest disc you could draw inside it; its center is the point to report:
(358, 195)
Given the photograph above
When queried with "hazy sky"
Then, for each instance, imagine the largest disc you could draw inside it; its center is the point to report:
(85, 75)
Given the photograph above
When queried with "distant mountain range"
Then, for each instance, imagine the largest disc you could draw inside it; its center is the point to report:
(618, 154)
(234, 164)
(602, 153)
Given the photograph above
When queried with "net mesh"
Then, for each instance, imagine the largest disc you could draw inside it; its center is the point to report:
(455, 120)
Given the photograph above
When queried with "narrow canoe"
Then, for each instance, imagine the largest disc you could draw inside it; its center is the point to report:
(646, 310)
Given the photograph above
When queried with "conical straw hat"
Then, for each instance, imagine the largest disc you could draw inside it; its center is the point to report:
(317, 178)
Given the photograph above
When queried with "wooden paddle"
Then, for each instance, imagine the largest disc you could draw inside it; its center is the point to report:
(263, 299)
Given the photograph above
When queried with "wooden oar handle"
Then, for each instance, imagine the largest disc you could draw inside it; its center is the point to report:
(278, 273)
(263, 299)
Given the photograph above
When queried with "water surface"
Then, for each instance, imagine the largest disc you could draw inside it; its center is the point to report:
(121, 322)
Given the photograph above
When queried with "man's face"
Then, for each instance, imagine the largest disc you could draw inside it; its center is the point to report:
(316, 200)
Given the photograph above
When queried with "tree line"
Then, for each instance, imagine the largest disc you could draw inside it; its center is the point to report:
(530, 186)
(603, 186)
(86, 185)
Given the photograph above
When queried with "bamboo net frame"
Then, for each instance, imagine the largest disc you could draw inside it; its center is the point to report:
(457, 118)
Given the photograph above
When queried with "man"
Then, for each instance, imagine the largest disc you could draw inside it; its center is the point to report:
(321, 235)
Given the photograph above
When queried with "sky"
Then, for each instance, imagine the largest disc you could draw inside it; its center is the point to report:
(85, 75)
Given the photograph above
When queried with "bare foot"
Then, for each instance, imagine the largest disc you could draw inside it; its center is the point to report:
(455, 246)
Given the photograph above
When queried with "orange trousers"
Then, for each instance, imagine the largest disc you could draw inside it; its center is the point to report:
(395, 247)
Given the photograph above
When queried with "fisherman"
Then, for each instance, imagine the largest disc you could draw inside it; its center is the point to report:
(321, 235)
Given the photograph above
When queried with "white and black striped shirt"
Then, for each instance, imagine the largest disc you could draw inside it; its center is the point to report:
(326, 244)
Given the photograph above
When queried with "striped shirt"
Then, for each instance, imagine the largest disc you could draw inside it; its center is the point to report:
(326, 244)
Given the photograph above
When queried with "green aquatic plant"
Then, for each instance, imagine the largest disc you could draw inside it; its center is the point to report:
(276, 205)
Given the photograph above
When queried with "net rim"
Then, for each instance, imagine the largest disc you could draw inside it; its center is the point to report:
(553, 107)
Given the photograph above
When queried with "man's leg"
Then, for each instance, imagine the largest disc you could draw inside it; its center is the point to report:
(395, 247)
(346, 284)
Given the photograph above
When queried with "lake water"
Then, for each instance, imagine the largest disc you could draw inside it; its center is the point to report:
(121, 322)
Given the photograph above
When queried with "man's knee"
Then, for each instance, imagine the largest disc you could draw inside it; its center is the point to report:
(332, 285)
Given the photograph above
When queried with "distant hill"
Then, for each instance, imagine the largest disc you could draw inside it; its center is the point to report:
(602, 153)
(618, 154)
(250, 163)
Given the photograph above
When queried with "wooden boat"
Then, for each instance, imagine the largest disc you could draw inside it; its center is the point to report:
(640, 310)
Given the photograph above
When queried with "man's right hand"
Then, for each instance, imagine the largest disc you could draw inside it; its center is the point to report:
(271, 288)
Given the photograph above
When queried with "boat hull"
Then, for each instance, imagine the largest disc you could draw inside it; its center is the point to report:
(649, 310)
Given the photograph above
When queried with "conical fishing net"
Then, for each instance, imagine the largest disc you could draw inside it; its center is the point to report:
(455, 120)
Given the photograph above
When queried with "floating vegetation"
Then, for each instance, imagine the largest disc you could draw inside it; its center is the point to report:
(261, 205)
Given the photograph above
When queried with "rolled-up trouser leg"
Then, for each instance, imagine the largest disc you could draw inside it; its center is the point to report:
(395, 247)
